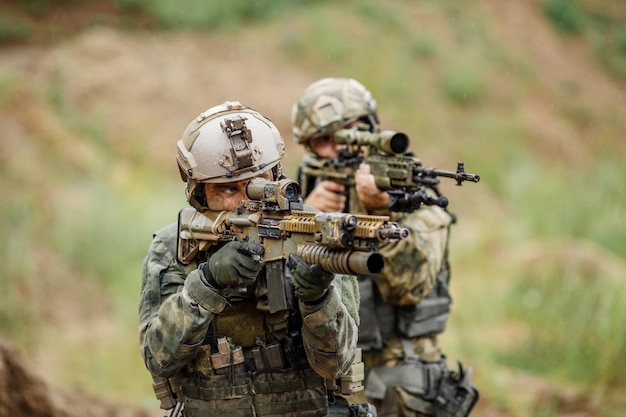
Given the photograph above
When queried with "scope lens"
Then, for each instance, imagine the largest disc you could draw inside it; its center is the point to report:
(399, 143)
(292, 191)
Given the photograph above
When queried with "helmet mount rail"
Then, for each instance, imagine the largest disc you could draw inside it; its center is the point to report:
(240, 136)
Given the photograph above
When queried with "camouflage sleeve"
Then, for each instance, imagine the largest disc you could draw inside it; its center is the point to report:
(412, 265)
(330, 329)
(175, 311)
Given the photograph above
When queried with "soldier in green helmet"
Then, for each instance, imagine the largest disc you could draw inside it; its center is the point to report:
(405, 307)
(206, 335)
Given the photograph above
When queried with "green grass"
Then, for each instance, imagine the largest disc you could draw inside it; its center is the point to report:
(572, 294)
(572, 201)
(566, 15)
(574, 304)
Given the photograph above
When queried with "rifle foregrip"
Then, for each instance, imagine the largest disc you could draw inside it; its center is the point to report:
(348, 262)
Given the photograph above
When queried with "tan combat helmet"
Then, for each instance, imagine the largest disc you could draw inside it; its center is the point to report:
(227, 143)
(331, 104)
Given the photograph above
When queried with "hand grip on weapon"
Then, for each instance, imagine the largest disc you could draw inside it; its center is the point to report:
(370, 195)
(236, 264)
(327, 196)
(310, 281)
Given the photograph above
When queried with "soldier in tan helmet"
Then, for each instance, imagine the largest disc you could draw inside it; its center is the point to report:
(404, 308)
(213, 349)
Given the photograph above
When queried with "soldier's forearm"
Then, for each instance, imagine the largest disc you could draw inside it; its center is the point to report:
(330, 336)
(169, 339)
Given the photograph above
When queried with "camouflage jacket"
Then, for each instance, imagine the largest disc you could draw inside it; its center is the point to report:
(176, 310)
(412, 265)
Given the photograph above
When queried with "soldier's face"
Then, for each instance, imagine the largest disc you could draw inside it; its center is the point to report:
(324, 147)
(228, 196)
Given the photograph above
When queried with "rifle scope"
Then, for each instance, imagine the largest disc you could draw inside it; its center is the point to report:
(387, 141)
(282, 191)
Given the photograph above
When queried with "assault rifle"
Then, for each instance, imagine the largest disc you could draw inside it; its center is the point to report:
(401, 174)
(274, 217)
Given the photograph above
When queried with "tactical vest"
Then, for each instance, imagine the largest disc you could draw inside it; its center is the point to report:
(381, 320)
(251, 362)
(237, 377)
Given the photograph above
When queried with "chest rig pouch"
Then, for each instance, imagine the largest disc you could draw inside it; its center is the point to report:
(267, 379)
(381, 321)
(430, 315)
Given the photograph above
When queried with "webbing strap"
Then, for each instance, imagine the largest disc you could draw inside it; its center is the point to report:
(216, 393)
(418, 378)
(294, 406)
(407, 348)
(231, 408)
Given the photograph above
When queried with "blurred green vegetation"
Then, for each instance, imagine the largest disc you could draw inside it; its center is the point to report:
(209, 15)
(13, 29)
(538, 253)
(600, 23)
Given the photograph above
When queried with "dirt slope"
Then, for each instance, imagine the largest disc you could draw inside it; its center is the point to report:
(24, 394)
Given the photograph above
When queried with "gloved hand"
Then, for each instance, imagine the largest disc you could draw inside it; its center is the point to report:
(236, 264)
(310, 281)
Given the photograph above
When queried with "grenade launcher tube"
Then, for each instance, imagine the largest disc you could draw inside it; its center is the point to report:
(341, 261)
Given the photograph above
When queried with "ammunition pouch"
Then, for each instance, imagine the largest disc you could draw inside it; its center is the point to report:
(283, 393)
(268, 379)
(434, 389)
(430, 315)
(167, 391)
(352, 381)
(382, 321)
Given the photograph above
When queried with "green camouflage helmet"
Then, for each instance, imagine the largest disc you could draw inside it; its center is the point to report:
(227, 143)
(331, 104)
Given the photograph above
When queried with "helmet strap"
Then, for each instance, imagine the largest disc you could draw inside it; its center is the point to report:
(196, 195)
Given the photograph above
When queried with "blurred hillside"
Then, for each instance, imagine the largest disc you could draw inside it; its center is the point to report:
(530, 94)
